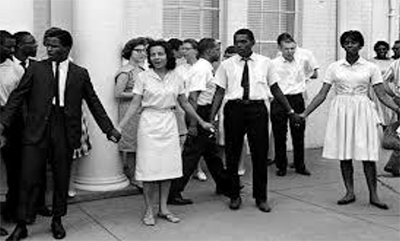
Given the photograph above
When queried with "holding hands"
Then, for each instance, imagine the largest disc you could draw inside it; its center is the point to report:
(114, 135)
(297, 119)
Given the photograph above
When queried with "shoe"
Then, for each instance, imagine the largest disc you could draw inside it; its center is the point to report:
(3, 232)
(71, 193)
(270, 162)
(179, 200)
(58, 230)
(344, 201)
(395, 173)
(304, 172)
(241, 172)
(149, 220)
(20, 232)
(263, 206)
(201, 176)
(379, 205)
(291, 165)
(139, 188)
(281, 172)
(169, 217)
(235, 203)
(45, 212)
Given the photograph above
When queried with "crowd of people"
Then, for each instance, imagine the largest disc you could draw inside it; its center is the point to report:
(179, 104)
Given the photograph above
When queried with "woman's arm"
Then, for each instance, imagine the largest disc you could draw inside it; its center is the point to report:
(120, 86)
(385, 99)
(318, 100)
(188, 108)
(132, 109)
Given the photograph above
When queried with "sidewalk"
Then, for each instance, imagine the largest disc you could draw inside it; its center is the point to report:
(303, 208)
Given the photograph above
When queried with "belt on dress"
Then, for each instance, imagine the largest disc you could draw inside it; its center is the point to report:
(173, 108)
(246, 102)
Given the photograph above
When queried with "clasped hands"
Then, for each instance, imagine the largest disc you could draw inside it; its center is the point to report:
(114, 135)
(297, 119)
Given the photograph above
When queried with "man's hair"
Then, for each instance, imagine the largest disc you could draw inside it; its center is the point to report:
(63, 35)
(171, 61)
(4, 35)
(397, 42)
(230, 50)
(285, 37)
(175, 43)
(130, 45)
(381, 43)
(19, 36)
(353, 35)
(245, 31)
(206, 44)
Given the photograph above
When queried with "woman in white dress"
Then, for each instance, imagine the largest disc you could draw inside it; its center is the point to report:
(158, 152)
(353, 122)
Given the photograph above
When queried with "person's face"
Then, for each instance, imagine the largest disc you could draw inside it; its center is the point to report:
(7, 48)
(243, 45)
(188, 51)
(178, 53)
(381, 51)
(55, 50)
(288, 49)
(215, 53)
(351, 46)
(396, 50)
(29, 46)
(158, 57)
(138, 54)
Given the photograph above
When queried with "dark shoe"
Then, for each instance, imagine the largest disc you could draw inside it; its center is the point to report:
(235, 203)
(395, 173)
(304, 172)
(58, 230)
(281, 172)
(179, 200)
(291, 165)
(3, 232)
(45, 212)
(270, 162)
(20, 232)
(344, 201)
(263, 206)
(379, 205)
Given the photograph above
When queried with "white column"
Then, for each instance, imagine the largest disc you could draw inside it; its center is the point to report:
(97, 32)
(16, 15)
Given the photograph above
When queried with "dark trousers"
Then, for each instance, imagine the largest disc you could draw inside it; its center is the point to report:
(242, 118)
(279, 119)
(203, 145)
(55, 148)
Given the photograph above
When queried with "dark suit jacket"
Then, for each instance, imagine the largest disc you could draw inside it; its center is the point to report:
(36, 87)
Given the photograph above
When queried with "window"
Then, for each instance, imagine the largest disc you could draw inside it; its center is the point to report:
(269, 18)
(191, 19)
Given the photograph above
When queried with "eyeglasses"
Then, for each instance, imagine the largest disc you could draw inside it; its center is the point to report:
(140, 50)
(186, 49)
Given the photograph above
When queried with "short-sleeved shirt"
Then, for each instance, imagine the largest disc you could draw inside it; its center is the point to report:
(294, 75)
(159, 93)
(353, 79)
(392, 75)
(10, 76)
(262, 75)
(201, 79)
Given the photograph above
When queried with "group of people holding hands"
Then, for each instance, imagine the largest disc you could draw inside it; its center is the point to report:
(169, 112)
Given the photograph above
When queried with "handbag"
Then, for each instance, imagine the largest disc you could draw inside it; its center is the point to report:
(391, 139)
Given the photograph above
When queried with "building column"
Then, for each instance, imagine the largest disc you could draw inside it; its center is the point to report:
(97, 31)
(16, 15)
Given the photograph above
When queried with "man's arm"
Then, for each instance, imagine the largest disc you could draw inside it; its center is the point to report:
(279, 96)
(217, 101)
(192, 128)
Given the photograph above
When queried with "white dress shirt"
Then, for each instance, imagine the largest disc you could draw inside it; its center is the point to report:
(10, 76)
(392, 75)
(63, 68)
(262, 75)
(201, 79)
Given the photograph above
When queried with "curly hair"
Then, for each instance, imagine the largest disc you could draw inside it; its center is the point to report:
(381, 43)
(171, 61)
(353, 35)
(130, 45)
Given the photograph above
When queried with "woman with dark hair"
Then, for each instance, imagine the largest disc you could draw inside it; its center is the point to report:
(157, 91)
(352, 131)
(134, 52)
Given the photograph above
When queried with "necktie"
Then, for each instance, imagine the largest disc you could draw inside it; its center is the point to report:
(245, 80)
(57, 84)
(23, 64)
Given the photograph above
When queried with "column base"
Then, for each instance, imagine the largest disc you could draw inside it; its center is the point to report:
(101, 185)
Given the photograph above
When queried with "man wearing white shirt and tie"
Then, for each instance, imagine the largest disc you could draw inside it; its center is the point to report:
(294, 67)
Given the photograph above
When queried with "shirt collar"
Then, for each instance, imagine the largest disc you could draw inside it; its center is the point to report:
(63, 65)
(359, 61)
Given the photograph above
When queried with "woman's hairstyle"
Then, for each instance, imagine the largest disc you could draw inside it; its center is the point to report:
(130, 45)
(175, 43)
(192, 42)
(353, 35)
(171, 61)
(381, 43)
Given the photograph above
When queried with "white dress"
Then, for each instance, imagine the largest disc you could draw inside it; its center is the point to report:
(353, 123)
(158, 151)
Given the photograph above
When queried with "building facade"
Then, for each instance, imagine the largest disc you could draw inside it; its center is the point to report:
(101, 27)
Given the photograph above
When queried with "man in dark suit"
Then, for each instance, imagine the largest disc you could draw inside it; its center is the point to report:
(54, 90)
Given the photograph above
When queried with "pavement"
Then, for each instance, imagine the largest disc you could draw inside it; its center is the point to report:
(303, 208)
